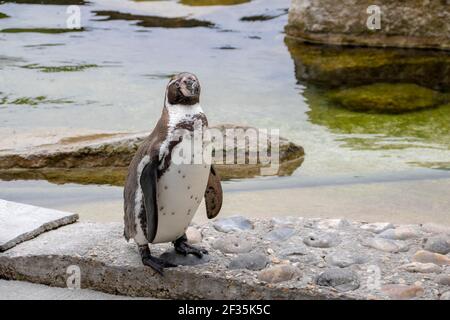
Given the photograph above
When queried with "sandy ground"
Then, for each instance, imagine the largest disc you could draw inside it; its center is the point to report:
(415, 201)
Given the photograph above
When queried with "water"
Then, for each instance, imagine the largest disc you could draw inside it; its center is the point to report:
(112, 75)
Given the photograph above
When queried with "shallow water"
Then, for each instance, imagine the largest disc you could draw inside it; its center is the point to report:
(111, 76)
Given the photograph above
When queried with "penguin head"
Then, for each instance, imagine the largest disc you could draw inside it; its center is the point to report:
(183, 88)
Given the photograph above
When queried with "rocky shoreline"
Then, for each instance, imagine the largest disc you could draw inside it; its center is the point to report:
(103, 158)
(278, 258)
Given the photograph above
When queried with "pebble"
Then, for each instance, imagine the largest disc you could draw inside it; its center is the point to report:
(386, 245)
(437, 245)
(401, 233)
(286, 221)
(235, 223)
(333, 224)
(443, 279)
(431, 257)
(402, 291)
(343, 259)
(232, 245)
(280, 273)
(280, 234)
(341, 279)
(193, 235)
(251, 261)
(421, 267)
(445, 296)
(295, 250)
(377, 227)
(436, 228)
(321, 240)
(184, 260)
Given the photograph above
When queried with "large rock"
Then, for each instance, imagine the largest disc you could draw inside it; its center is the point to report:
(103, 158)
(410, 23)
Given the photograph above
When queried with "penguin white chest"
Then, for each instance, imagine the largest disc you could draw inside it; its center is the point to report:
(180, 191)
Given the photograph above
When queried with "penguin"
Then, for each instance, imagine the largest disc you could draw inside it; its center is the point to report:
(161, 195)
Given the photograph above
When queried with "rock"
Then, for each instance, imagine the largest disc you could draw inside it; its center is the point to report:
(295, 250)
(235, 223)
(21, 222)
(344, 23)
(340, 279)
(343, 259)
(445, 296)
(436, 228)
(193, 235)
(280, 234)
(431, 257)
(321, 240)
(285, 221)
(184, 260)
(278, 273)
(401, 233)
(333, 224)
(377, 227)
(402, 291)
(443, 279)
(386, 245)
(437, 245)
(232, 244)
(421, 267)
(251, 261)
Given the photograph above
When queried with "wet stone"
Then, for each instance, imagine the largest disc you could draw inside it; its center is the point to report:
(418, 267)
(184, 260)
(386, 245)
(443, 279)
(280, 234)
(377, 227)
(438, 245)
(278, 273)
(236, 223)
(402, 291)
(321, 240)
(431, 257)
(401, 233)
(232, 245)
(343, 259)
(341, 279)
(251, 261)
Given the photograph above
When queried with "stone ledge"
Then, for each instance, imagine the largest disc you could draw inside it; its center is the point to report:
(282, 258)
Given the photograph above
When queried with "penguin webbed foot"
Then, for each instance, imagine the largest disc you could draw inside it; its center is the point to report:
(155, 263)
(181, 246)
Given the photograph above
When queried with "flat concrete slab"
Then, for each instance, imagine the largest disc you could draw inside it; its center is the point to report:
(303, 259)
(21, 222)
(19, 290)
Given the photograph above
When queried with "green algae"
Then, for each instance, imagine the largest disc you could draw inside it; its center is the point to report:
(154, 21)
(387, 98)
(31, 101)
(3, 16)
(428, 128)
(263, 17)
(212, 2)
(336, 66)
(41, 30)
(66, 68)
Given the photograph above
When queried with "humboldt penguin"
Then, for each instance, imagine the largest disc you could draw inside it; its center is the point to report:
(162, 191)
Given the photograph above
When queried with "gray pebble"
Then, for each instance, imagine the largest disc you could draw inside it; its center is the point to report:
(184, 260)
(343, 259)
(386, 245)
(280, 234)
(251, 261)
(438, 245)
(340, 279)
(236, 223)
(321, 240)
(232, 245)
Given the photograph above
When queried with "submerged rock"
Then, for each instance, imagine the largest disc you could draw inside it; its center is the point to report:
(387, 98)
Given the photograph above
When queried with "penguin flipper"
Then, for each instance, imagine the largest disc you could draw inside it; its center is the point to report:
(148, 183)
(213, 194)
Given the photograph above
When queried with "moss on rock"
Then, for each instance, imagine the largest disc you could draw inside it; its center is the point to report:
(387, 98)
